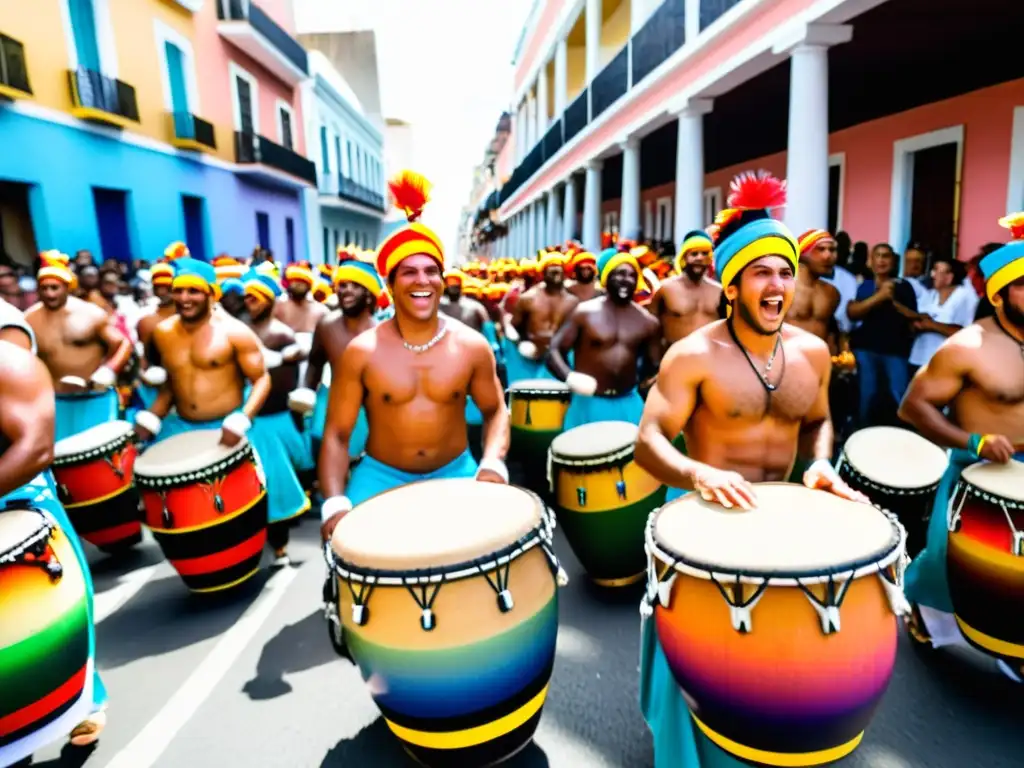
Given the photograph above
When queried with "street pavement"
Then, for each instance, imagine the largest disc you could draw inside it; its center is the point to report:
(251, 680)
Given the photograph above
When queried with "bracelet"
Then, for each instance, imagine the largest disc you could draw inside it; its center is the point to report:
(975, 443)
(236, 423)
(497, 466)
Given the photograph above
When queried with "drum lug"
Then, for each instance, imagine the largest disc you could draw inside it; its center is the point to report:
(427, 620)
(54, 570)
(829, 619)
(63, 493)
(505, 601)
(167, 517)
(360, 615)
(665, 591)
(218, 503)
(620, 488)
(581, 496)
(742, 618)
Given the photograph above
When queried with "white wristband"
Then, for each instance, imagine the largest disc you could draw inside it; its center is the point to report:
(236, 423)
(302, 400)
(511, 333)
(333, 506)
(528, 350)
(103, 377)
(294, 352)
(581, 383)
(824, 466)
(154, 376)
(149, 421)
(272, 359)
(497, 466)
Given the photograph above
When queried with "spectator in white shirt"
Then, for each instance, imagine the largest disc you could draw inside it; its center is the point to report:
(845, 282)
(945, 308)
(915, 267)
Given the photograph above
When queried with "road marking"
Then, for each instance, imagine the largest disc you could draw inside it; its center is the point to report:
(152, 741)
(105, 604)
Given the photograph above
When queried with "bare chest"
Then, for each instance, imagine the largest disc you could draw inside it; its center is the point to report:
(687, 300)
(786, 393)
(811, 304)
(999, 376)
(205, 352)
(55, 335)
(301, 318)
(548, 311)
(398, 377)
(604, 333)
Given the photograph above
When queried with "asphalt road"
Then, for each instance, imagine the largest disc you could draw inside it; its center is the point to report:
(251, 680)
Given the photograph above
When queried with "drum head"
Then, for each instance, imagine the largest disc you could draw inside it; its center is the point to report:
(94, 437)
(540, 386)
(185, 453)
(434, 523)
(793, 531)
(1003, 480)
(895, 458)
(601, 438)
(18, 526)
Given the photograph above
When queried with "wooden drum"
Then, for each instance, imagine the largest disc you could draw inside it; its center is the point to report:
(449, 605)
(747, 607)
(537, 411)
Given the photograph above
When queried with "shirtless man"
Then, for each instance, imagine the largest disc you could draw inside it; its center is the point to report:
(413, 372)
(455, 304)
(153, 375)
(80, 346)
(88, 282)
(232, 299)
(969, 397)
(815, 302)
(691, 299)
(582, 268)
(609, 335)
(536, 316)
(742, 416)
(297, 310)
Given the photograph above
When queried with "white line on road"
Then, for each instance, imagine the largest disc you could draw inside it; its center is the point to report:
(106, 603)
(151, 742)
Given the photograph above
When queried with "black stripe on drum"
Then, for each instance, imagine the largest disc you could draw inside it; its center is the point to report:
(117, 510)
(209, 582)
(473, 719)
(35, 725)
(215, 538)
(488, 753)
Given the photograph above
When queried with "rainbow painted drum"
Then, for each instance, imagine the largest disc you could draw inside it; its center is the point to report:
(747, 607)
(93, 471)
(985, 557)
(603, 499)
(537, 411)
(449, 605)
(44, 625)
(899, 471)
(207, 507)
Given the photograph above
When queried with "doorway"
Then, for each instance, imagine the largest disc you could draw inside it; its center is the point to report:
(194, 212)
(17, 236)
(263, 230)
(112, 221)
(933, 215)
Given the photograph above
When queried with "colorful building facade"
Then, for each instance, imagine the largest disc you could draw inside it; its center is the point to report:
(133, 124)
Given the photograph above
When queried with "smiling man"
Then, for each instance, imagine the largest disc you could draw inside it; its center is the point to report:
(688, 301)
(413, 374)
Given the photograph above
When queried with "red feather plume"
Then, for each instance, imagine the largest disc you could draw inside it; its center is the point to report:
(410, 191)
(1015, 223)
(756, 191)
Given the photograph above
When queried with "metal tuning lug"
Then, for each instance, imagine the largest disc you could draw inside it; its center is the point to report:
(620, 488)
(505, 601)
(427, 620)
(581, 496)
(360, 615)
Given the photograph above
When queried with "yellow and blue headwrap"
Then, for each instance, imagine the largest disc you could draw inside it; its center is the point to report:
(226, 266)
(300, 272)
(410, 191)
(1005, 265)
(260, 286)
(176, 250)
(192, 273)
(57, 266)
(269, 268)
(695, 240)
(161, 274)
(232, 285)
(361, 273)
(611, 258)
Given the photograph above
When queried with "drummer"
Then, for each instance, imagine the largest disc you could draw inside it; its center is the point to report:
(298, 310)
(232, 298)
(815, 301)
(76, 340)
(977, 378)
(610, 336)
(153, 376)
(14, 329)
(27, 439)
(581, 267)
(745, 414)
(689, 300)
(413, 372)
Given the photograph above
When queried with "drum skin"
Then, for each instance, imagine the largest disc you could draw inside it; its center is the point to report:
(470, 691)
(98, 493)
(986, 580)
(605, 531)
(913, 508)
(44, 638)
(784, 694)
(211, 548)
(536, 417)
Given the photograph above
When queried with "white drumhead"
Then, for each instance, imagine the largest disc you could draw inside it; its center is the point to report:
(601, 438)
(540, 385)
(92, 438)
(895, 458)
(1003, 480)
(180, 454)
(17, 526)
(434, 523)
(793, 529)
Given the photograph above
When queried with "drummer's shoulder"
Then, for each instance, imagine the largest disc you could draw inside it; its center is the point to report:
(695, 348)
(811, 345)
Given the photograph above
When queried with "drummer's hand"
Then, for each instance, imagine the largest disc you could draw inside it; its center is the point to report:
(142, 434)
(490, 476)
(328, 526)
(997, 448)
(229, 438)
(821, 476)
(729, 489)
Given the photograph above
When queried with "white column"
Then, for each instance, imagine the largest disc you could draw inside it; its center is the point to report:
(689, 213)
(629, 212)
(514, 238)
(592, 207)
(593, 36)
(531, 230)
(520, 130)
(542, 102)
(554, 221)
(639, 12)
(569, 209)
(561, 77)
(691, 16)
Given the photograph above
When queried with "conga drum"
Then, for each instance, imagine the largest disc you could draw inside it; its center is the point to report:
(899, 471)
(537, 411)
(206, 505)
(985, 557)
(603, 499)
(95, 482)
(449, 605)
(45, 674)
(779, 623)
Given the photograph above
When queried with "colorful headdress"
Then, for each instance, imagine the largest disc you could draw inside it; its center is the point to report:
(300, 272)
(161, 274)
(550, 259)
(1005, 265)
(455, 276)
(263, 287)
(809, 239)
(269, 268)
(361, 273)
(410, 192)
(176, 250)
(345, 253)
(694, 240)
(611, 258)
(326, 271)
(321, 290)
(579, 258)
(747, 231)
(192, 273)
(225, 267)
(473, 288)
(56, 265)
(232, 285)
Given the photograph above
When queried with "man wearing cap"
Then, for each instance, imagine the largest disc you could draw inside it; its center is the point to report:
(297, 310)
(80, 346)
(609, 336)
(413, 373)
(582, 268)
(153, 376)
(691, 299)
(747, 392)
(232, 298)
(815, 301)
(969, 398)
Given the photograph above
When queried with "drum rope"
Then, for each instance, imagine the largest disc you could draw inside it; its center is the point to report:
(425, 600)
(360, 611)
(165, 514)
(741, 612)
(1018, 536)
(500, 586)
(828, 609)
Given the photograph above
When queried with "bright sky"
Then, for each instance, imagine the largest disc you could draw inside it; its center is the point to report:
(445, 67)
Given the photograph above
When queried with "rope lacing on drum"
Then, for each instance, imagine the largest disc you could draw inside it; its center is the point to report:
(425, 600)
(116, 463)
(954, 509)
(741, 612)
(546, 534)
(165, 514)
(360, 598)
(215, 486)
(499, 583)
(659, 590)
(828, 609)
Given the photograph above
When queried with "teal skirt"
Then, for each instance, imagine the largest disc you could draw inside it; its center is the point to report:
(78, 412)
(356, 441)
(587, 410)
(371, 477)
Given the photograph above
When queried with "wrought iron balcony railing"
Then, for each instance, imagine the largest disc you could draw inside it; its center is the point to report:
(192, 132)
(97, 97)
(349, 189)
(253, 148)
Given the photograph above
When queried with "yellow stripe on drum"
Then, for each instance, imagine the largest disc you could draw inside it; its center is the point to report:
(217, 521)
(989, 643)
(600, 486)
(540, 415)
(229, 585)
(995, 563)
(780, 759)
(99, 500)
(471, 737)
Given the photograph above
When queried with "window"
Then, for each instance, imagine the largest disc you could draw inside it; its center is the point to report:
(347, 240)
(337, 151)
(325, 155)
(178, 76)
(327, 247)
(712, 204)
(194, 211)
(357, 173)
(289, 239)
(263, 229)
(244, 100)
(89, 35)
(649, 230)
(348, 154)
(285, 123)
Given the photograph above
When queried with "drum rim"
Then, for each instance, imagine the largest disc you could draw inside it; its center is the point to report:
(543, 394)
(166, 482)
(83, 456)
(876, 484)
(911, 490)
(605, 460)
(47, 527)
(964, 485)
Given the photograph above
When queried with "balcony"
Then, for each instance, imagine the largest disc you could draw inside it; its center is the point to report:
(13, 69)
(191, 132)
(576, 116)
(710, 10)
(610, 84)
(356, 193)
(662, 35)
(268, 159)
(248, 27)
(101, 99)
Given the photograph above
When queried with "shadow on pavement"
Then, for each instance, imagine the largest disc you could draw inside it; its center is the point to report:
(296, 648)
(70, 757)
